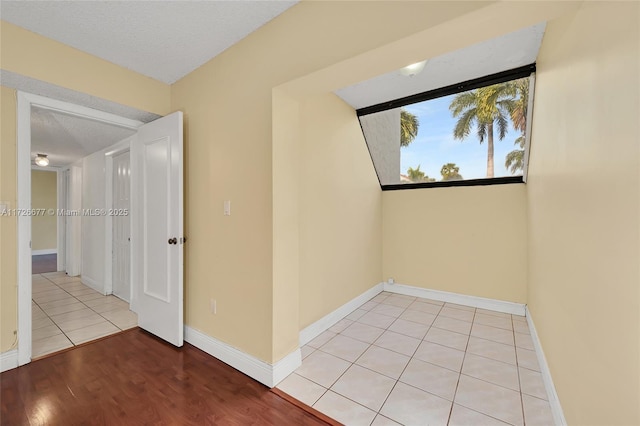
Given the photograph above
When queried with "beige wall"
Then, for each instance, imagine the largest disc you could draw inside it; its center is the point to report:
(468, 240)
(8, 224)
(583, 197)
(35, 56)
(44, 196)
(230, 149)
(340, 209)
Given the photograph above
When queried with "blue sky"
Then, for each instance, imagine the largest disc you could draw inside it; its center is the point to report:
(435, 145)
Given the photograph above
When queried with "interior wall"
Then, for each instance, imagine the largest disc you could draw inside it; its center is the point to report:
(8, 224)
(93, 226)
(583, 201)
(32, 55)
(340, 209)
(228, 155)
(467, 240)
(44, 192)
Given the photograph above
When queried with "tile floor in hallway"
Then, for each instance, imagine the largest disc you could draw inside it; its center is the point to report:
(404, 360)
(66, 312)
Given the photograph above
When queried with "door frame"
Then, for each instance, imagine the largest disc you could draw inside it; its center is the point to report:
(117, 149)
(24, 103)
(61, 203)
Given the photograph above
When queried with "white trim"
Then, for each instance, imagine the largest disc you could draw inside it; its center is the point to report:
(8, 360)
(61, 203)
(267, 374)
(24, 103)
(552, 395)
(115, 149)
(43, 251)
(312, 331)
(23, 169)
(527, 130)
(459, 299)
(90, 282)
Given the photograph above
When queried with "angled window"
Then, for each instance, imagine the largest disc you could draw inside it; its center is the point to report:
(470, 133)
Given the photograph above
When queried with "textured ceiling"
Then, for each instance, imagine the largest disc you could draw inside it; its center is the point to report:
(66, 139)
(489, 57)
(164, 40)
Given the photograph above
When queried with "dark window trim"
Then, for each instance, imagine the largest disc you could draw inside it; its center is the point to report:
(448, 183)
(487, 80)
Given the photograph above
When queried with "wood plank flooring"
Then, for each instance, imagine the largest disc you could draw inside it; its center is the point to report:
(135, 378)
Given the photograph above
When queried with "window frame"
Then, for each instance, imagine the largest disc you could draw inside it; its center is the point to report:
(488, 80)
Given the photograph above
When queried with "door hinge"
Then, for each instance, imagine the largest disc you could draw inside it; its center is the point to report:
(183, 240)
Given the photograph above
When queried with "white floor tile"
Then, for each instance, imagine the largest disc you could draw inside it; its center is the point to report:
(376, 320)
(45, 332)
(398, 343)
(123, 318)
(491, 349)
(322, 368)
(364, 386)
(345, 347)
(431, 378)
(532, 384)
(461, 416)
(383, 361)
(92, 332)
(492, 400)
(492, 333)
(440, 355)
(452, 324)
(50, 345)
(344, 410)
(302, 389)
(411, 406)
(537, 412)
(447, 338)
(363, 332)
(489, 370)
(409, 328)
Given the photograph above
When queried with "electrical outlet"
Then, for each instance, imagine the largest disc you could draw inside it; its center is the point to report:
(213, 306)
(390, 281)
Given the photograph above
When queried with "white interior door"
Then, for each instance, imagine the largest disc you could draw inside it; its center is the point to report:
(121, 237)
(157, 237)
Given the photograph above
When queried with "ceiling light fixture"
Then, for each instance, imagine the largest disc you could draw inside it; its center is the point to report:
(42, 160)
(413, 69)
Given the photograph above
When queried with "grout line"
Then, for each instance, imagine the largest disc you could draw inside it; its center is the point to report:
(455, 392)
(524, 422)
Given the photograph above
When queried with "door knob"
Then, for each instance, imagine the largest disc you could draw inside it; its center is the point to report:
(173, 240)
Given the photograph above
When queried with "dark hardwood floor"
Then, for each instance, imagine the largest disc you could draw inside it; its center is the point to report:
(135, 378)
(44, 263)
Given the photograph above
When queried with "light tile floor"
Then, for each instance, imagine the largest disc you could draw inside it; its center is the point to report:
(66, 312)
(404, 360)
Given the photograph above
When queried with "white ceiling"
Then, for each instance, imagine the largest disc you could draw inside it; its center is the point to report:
(164, 40)
(66, 139)
(489, 57)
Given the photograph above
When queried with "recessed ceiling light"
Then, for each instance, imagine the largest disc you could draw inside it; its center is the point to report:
(413, 69)
(42, 160)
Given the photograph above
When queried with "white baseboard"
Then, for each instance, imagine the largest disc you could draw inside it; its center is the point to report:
(312, 331)
(43, 251)
(459, 299)
(267, 374)
(552, 395)
(88, 281)
(8, 360)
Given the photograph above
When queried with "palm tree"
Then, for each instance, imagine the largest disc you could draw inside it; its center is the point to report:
(485, 108)
(408, 127)
(417, 175)
(450, 171)
(514, 160)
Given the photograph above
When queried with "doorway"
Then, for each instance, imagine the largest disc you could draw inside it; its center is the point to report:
(69, 303)
(155, 224)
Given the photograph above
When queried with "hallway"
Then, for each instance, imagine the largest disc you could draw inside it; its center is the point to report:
(65, 312)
